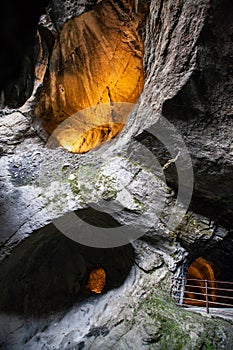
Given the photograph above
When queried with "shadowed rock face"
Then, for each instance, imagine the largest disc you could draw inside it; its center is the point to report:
(201, 109)
(50, 272)
(96, 59)
(139, 313)
(17, 37)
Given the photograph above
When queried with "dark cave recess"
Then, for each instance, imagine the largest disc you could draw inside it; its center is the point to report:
(48, 272)
(18, 26)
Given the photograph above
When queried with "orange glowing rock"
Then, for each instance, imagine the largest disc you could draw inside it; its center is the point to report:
(199, 271)
(97, 59)
(97, 280)
(91, 127)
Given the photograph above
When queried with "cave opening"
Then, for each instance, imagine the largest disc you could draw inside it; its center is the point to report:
(48, 272)
(209, 276)
(198, 273)
(96, 60)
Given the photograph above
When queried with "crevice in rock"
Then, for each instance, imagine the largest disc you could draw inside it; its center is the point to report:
(17, 37)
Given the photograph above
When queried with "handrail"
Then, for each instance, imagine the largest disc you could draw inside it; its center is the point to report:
(214, 288)
(218, 295)
(196, 279)
(208, 293)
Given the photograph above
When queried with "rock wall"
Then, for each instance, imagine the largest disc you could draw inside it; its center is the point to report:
(39, 185)
(203, 110)
(96, 59)
(17, 37)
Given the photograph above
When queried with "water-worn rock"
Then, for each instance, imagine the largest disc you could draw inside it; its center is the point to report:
(39, 184)
(96, 59)
(202, 108)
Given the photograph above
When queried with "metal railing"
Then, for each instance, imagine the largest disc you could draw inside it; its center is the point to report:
(197, 292)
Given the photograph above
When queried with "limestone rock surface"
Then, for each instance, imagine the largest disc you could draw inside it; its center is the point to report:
(187, 79)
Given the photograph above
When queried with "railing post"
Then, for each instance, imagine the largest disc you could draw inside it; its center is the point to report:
(182, 292)
(206, 296)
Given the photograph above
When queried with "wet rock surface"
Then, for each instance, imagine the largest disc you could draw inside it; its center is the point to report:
(44, 304)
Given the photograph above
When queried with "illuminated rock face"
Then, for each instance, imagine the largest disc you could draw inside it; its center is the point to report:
(199, 271)
(173, 49)
(97, 280)
(90, 139)
(96, 59)
(91, 127)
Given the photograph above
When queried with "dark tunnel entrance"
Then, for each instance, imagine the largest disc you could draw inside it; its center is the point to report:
(48, 272)
(209, 277)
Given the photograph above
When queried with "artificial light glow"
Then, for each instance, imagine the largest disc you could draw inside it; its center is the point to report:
(91, 127)
(200, 269)
(97, 280)
(97, 59)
